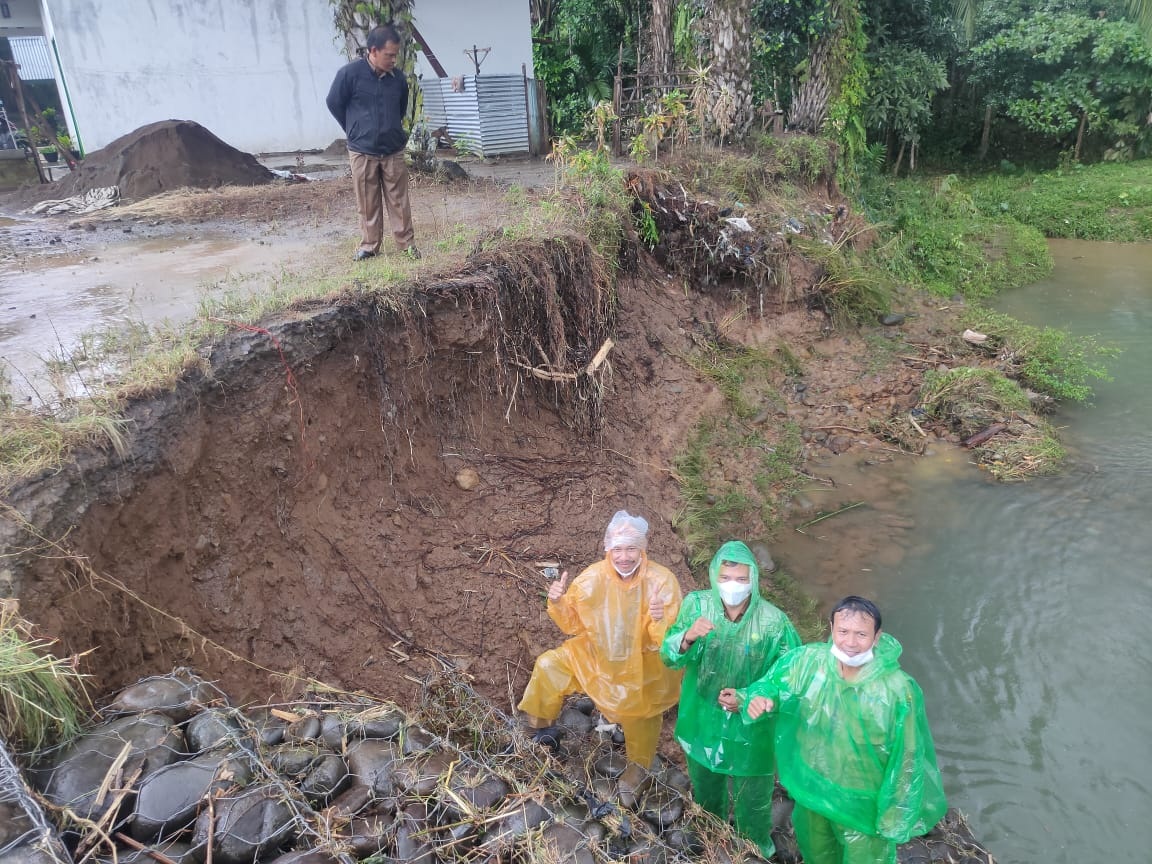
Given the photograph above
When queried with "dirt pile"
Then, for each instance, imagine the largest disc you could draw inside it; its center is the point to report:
(159, 157)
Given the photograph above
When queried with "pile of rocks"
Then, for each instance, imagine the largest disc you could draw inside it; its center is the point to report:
(174, 774)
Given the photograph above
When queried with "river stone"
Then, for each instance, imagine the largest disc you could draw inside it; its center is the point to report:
(177, 851)
(577, 721)
(328, 776)
(594, 831)
(371, 832)
(411, 845)
(516, 821)
(211, 727)
(332, 732)
(610, 765)
(371, 761)
(684, 840)
(14, 822)
(72, 777)
(420, 775)
(247, 826)
(293, 760)
(891, 319)
(467, 479)
(269, 728)
(386, 726)
(632, 785)
(27, 853)
(309, 856)
(763, 557)
(179, 695)
(416, 740)
(662, 807)
(307, 728)
(565, 842)
(351, 801)
(168, 799)
(478, 788)
(585, 705)
(839, 443)
(604, 789)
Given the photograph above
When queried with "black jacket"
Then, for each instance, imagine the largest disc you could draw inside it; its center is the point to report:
(370, 108)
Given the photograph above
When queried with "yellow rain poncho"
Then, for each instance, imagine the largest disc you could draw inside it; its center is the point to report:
(735, 654)
(614, 653)
(857, 756)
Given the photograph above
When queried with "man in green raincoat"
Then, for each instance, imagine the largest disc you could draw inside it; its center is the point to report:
(726, 638)
(853, 746)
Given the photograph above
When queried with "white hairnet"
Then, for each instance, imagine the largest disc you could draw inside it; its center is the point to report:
(626, 530)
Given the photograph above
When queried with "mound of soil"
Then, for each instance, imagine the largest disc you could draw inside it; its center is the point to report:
(160, 157)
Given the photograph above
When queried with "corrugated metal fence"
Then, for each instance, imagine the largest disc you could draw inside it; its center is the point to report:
(487, 113)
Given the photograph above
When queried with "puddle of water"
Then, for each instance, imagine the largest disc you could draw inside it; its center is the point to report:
(46, 305)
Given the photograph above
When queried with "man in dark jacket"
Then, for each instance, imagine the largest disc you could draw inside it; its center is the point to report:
(369, 98)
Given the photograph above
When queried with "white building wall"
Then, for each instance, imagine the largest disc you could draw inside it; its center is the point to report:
(253, 72)
(452, 26)
(24, 19)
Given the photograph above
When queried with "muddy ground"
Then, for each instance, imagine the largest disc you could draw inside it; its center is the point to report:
(300, 513)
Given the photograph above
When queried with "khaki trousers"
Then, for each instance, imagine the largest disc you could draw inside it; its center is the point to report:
(382, 183)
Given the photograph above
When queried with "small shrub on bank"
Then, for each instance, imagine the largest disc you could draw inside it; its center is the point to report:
(1050, 361)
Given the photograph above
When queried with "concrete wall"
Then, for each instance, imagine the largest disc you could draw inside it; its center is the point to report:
(254, 72)
(25, 20)
(451, 26)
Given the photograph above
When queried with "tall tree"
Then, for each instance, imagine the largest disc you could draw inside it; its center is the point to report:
(731, 76)
(660, 28)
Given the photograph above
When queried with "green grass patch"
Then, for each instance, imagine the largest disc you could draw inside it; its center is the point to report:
(1108, 201)
(935, 237)
(733, 484)
(40, 694)
(1049, 361)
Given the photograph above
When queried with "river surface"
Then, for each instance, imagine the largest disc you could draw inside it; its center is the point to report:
(1025, 610)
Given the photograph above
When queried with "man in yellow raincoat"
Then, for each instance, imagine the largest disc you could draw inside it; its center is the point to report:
(617, 612)
(852, 742)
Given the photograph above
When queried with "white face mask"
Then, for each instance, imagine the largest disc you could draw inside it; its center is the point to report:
(734, 593)
(624, 575)
(854, 662)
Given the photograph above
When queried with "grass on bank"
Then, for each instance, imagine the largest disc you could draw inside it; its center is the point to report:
(40, 694)
(1109, 201)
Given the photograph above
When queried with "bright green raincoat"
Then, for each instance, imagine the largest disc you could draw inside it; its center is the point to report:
(858, 752)
(734, 654)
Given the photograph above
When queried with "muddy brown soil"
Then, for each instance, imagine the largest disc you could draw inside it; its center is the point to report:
(299, 513)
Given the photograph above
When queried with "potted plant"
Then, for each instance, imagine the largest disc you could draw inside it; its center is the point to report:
(50, 153)
(64, 143)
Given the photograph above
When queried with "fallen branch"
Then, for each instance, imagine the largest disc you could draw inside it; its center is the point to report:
(980, 437)
(829, 515)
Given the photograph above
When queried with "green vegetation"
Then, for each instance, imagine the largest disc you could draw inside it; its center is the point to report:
(1050, 361)
(971, 400)
(733, 483)
(937, 238)
(1111, 201)
(39, 693)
